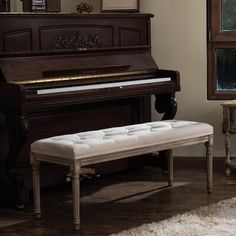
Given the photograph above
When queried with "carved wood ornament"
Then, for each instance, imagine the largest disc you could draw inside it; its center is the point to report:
(77, 41)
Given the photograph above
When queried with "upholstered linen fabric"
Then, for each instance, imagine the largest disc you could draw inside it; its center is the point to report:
(94, 143)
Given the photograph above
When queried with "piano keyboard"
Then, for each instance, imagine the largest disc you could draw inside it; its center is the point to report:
(101, 86)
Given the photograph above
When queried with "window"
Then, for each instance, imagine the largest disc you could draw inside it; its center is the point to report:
(221, 49)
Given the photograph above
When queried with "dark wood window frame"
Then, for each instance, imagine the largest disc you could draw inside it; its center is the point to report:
(217, 39)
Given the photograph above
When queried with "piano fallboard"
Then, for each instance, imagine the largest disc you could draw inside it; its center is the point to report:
(52, 81)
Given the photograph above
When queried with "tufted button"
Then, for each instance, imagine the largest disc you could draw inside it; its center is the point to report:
(137, 130)
(95, 141)
(159, 126)
(139, 127)
(91, 134)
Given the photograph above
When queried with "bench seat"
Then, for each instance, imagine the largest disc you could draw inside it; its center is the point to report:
(85, 148)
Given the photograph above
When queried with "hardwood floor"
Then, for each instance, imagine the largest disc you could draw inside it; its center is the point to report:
(113, 203)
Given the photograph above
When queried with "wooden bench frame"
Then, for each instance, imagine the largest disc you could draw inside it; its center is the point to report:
(76, 165)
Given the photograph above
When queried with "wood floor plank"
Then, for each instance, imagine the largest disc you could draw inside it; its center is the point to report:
(117, 202)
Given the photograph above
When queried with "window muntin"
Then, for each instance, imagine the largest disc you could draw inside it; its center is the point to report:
(221, 47)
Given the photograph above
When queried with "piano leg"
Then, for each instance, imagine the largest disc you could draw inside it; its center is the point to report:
(15, 193)
(165, 103)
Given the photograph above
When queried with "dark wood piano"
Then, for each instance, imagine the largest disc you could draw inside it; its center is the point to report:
(64, 73)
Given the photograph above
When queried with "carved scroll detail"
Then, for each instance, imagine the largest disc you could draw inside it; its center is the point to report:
(166, 103)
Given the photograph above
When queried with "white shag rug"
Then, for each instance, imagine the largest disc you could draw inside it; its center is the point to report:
(218, 219)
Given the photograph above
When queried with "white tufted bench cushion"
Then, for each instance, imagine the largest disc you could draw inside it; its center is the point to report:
(92, 147)
(106, 141)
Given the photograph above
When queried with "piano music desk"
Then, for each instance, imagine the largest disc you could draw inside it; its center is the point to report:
(85, 148)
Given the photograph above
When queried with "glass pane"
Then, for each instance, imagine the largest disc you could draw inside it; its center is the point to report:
(4, 5)
(228, 13)
(226, 69)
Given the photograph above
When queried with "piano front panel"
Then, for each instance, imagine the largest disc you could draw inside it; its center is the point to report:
(75, 36)
(130, 37)
(50, 32)
(22, 37)
(83, 117)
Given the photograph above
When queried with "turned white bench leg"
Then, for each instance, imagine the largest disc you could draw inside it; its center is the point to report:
(169, 154)
(76, 193)
(36, 187)
(209, 148)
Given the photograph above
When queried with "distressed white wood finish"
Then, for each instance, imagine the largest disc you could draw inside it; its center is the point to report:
(229, 126)
(77, 163)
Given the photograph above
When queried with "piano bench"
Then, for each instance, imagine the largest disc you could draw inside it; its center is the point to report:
(85, 148)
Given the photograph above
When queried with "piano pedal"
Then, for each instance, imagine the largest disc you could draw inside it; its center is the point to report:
(88, 173)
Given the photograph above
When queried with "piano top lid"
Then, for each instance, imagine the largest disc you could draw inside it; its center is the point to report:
(82, 66)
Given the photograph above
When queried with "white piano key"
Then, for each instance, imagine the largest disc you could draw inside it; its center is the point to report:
(101, 86)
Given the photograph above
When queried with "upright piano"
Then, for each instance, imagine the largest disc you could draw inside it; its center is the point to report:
(64, 73)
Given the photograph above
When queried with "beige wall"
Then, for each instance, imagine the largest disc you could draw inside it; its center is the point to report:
(179, 43)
